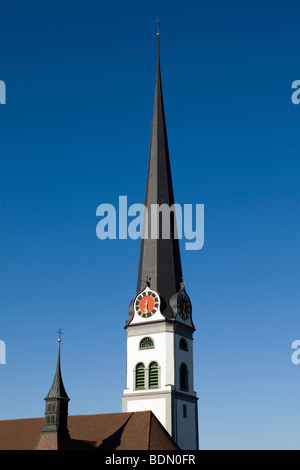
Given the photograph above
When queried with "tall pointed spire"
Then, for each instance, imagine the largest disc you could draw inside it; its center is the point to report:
(160, 314)
(160, 258)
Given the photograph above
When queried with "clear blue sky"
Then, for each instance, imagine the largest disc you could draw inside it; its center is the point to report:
(75, 133)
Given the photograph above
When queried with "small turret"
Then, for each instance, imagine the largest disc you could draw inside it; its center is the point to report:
(56, 411)
(55, 430)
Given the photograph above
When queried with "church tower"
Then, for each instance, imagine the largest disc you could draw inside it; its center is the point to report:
(55, 432)
(160, 326)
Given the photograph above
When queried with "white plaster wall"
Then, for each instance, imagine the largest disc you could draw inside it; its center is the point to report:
(187, 358)
(162, 353)
(157, 406)
(186, 427)
(169, 356)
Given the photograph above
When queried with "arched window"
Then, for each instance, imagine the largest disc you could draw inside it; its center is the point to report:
(153, 375)
(146, 343)
(52, 419)
(48, 419)
(183, 374)
(140, 376)
(183, 344)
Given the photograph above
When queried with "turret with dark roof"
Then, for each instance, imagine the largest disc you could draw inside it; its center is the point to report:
(56, 410)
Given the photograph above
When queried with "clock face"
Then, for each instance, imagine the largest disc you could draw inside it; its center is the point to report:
(146, 303)
(183, 306)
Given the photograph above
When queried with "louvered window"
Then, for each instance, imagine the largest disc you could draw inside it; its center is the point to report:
(153, 375)
(140, 376)
(183, 372)
(183, 344)
(146, 343)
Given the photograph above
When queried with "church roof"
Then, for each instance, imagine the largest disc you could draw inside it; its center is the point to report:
(113, 431)
(160, 258)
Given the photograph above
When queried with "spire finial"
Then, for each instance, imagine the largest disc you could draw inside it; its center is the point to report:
(158, 25)
(59, 332)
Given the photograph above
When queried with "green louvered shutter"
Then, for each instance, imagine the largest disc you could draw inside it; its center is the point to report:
(140, 376)
(153, 375)
(146, 343)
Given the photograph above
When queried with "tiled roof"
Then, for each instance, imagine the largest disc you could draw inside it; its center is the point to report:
(114, 431)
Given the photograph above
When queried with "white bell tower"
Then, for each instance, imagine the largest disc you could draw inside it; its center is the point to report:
(160, 368)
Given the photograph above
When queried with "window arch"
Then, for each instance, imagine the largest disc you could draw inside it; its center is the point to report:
(140, 376)
(183, 377)
(153, 375)
(146, 343)
(183, 344)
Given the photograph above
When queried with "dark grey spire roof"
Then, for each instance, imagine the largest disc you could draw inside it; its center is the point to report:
(57, 389)
(160, 259)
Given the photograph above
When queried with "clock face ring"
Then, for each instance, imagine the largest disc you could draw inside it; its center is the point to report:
(146, 304)
(183, 305)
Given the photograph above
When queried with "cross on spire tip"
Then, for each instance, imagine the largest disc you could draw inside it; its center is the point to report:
(59, 332)
(158, 25)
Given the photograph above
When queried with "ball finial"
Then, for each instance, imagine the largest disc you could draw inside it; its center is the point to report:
(158, 25)
(59, 334)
